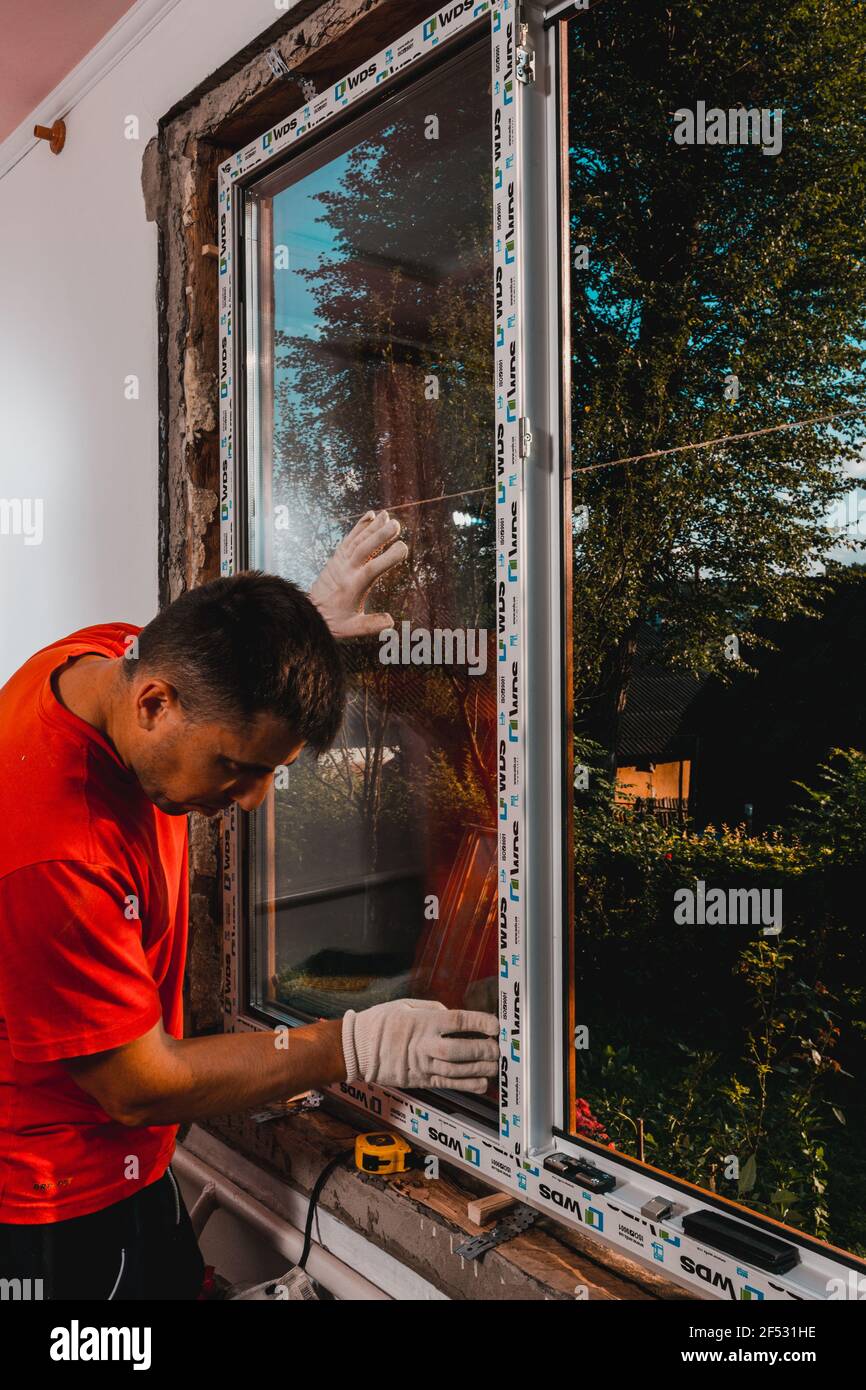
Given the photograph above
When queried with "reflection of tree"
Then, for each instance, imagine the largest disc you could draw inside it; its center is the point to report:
(467, 703)
(375, 722)
(403, 305)
(703, 262)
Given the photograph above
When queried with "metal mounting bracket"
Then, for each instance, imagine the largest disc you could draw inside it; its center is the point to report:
(280, 68)
(504, 1230)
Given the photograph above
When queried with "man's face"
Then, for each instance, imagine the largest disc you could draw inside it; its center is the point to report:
(186, 766)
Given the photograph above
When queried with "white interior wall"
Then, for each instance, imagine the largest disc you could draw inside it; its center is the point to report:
(78, 266)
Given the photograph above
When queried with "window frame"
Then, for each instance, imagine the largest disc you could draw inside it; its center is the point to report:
(532, 390)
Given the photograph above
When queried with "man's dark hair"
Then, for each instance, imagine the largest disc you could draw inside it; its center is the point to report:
(248, 644)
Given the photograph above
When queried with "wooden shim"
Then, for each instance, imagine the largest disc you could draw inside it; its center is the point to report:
(484, 1209)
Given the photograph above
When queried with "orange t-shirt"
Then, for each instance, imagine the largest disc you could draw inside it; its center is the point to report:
(93, 931)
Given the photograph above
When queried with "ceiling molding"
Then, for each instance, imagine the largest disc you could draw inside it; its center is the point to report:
(120, 40)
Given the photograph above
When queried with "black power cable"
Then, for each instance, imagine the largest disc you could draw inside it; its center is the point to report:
(314, 1198)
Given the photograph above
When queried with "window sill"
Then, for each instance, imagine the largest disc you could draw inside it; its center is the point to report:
(419, 1222)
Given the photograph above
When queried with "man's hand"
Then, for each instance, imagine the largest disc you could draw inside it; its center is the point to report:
(341, 590)
(408, 1043)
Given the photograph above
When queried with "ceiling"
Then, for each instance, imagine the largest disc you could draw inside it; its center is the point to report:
(41, 43)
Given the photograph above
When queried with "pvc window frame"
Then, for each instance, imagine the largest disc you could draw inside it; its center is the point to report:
(531, 326)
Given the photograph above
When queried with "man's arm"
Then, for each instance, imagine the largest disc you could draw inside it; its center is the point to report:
(408, 1043)
(160, 1080)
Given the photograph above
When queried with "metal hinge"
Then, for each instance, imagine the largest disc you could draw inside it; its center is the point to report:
(524, 437)
(524, 69)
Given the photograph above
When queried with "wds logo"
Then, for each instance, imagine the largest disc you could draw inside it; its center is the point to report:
(466, 1151)
(224, 367)
(371, 1103)
(503, 1094)
(500, 618)
(709, 1276)
(285, 129)
(350, 84)
(443, 18)
(224, 242)
(559, 1199)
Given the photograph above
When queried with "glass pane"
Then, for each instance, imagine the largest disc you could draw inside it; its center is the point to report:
(376, 865)
(718, 593)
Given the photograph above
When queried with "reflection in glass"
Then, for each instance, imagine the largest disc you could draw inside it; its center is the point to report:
(376, 872)
(719, 606)
(700, 270)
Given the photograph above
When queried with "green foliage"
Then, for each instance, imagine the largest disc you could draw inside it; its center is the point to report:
(833, 819)
(705, 261)
(764, 1074)
(453, 794)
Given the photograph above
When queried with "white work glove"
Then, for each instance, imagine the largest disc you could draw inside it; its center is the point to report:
(341, 590)
(405, 1043)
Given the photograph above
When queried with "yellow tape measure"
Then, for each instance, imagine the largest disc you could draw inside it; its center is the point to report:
(383, 1152)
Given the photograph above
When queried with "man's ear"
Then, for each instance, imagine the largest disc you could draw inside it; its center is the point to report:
(155, 700)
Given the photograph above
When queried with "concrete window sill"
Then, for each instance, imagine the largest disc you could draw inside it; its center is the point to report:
(419, 1222)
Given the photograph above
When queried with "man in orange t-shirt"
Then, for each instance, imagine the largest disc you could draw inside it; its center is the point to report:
(108, 738)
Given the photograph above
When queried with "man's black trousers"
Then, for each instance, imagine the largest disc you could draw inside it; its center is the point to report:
(142, 1248)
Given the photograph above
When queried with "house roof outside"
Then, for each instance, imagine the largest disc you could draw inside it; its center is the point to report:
(653, 723)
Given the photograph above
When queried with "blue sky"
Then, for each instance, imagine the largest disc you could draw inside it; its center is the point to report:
(296, 211)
